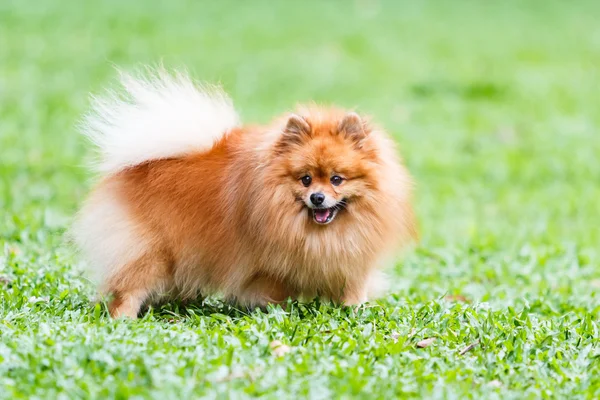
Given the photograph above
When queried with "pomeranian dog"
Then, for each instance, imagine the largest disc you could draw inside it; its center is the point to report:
(191, 203)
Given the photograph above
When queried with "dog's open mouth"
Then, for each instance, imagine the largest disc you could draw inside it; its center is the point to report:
(324, 216)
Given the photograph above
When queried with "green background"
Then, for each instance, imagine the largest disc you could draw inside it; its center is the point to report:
(495, 106)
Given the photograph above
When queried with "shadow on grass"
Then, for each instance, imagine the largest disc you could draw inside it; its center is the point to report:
(219, 309)
(215, 308)
(203, 307)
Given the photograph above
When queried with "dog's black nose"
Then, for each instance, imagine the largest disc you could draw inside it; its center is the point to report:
(317, 198)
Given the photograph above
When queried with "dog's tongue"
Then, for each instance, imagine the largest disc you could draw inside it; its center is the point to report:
(322, 215)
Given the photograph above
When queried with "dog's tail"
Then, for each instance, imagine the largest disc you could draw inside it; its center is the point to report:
(159, 115)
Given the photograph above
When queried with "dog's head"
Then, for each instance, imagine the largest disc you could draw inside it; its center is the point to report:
(325, 161)
(329, 189)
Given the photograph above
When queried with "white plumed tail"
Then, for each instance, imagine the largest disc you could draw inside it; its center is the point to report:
(159, 116)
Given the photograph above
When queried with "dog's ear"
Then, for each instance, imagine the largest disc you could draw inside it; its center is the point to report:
(353, 127)
(296, 128)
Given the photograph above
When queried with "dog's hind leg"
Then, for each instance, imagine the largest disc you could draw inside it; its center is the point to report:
(133, 284)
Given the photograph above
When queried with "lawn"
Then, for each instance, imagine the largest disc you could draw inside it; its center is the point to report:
(496, 108)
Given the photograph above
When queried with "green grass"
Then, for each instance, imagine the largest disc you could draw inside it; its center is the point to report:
(496, 109)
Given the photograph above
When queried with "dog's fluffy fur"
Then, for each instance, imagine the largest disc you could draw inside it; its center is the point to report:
(192, 203)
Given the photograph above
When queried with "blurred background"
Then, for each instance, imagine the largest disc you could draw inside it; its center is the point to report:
(496, 110)
(494, 106)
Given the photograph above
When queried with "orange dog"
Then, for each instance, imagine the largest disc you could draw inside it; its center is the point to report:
(192, 203)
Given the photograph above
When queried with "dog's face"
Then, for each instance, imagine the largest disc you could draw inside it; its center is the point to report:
(327, 165)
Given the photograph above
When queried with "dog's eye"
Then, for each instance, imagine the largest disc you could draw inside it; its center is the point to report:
(336, 180)
(306, 180)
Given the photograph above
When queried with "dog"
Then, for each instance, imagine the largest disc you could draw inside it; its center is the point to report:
(190, 202)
